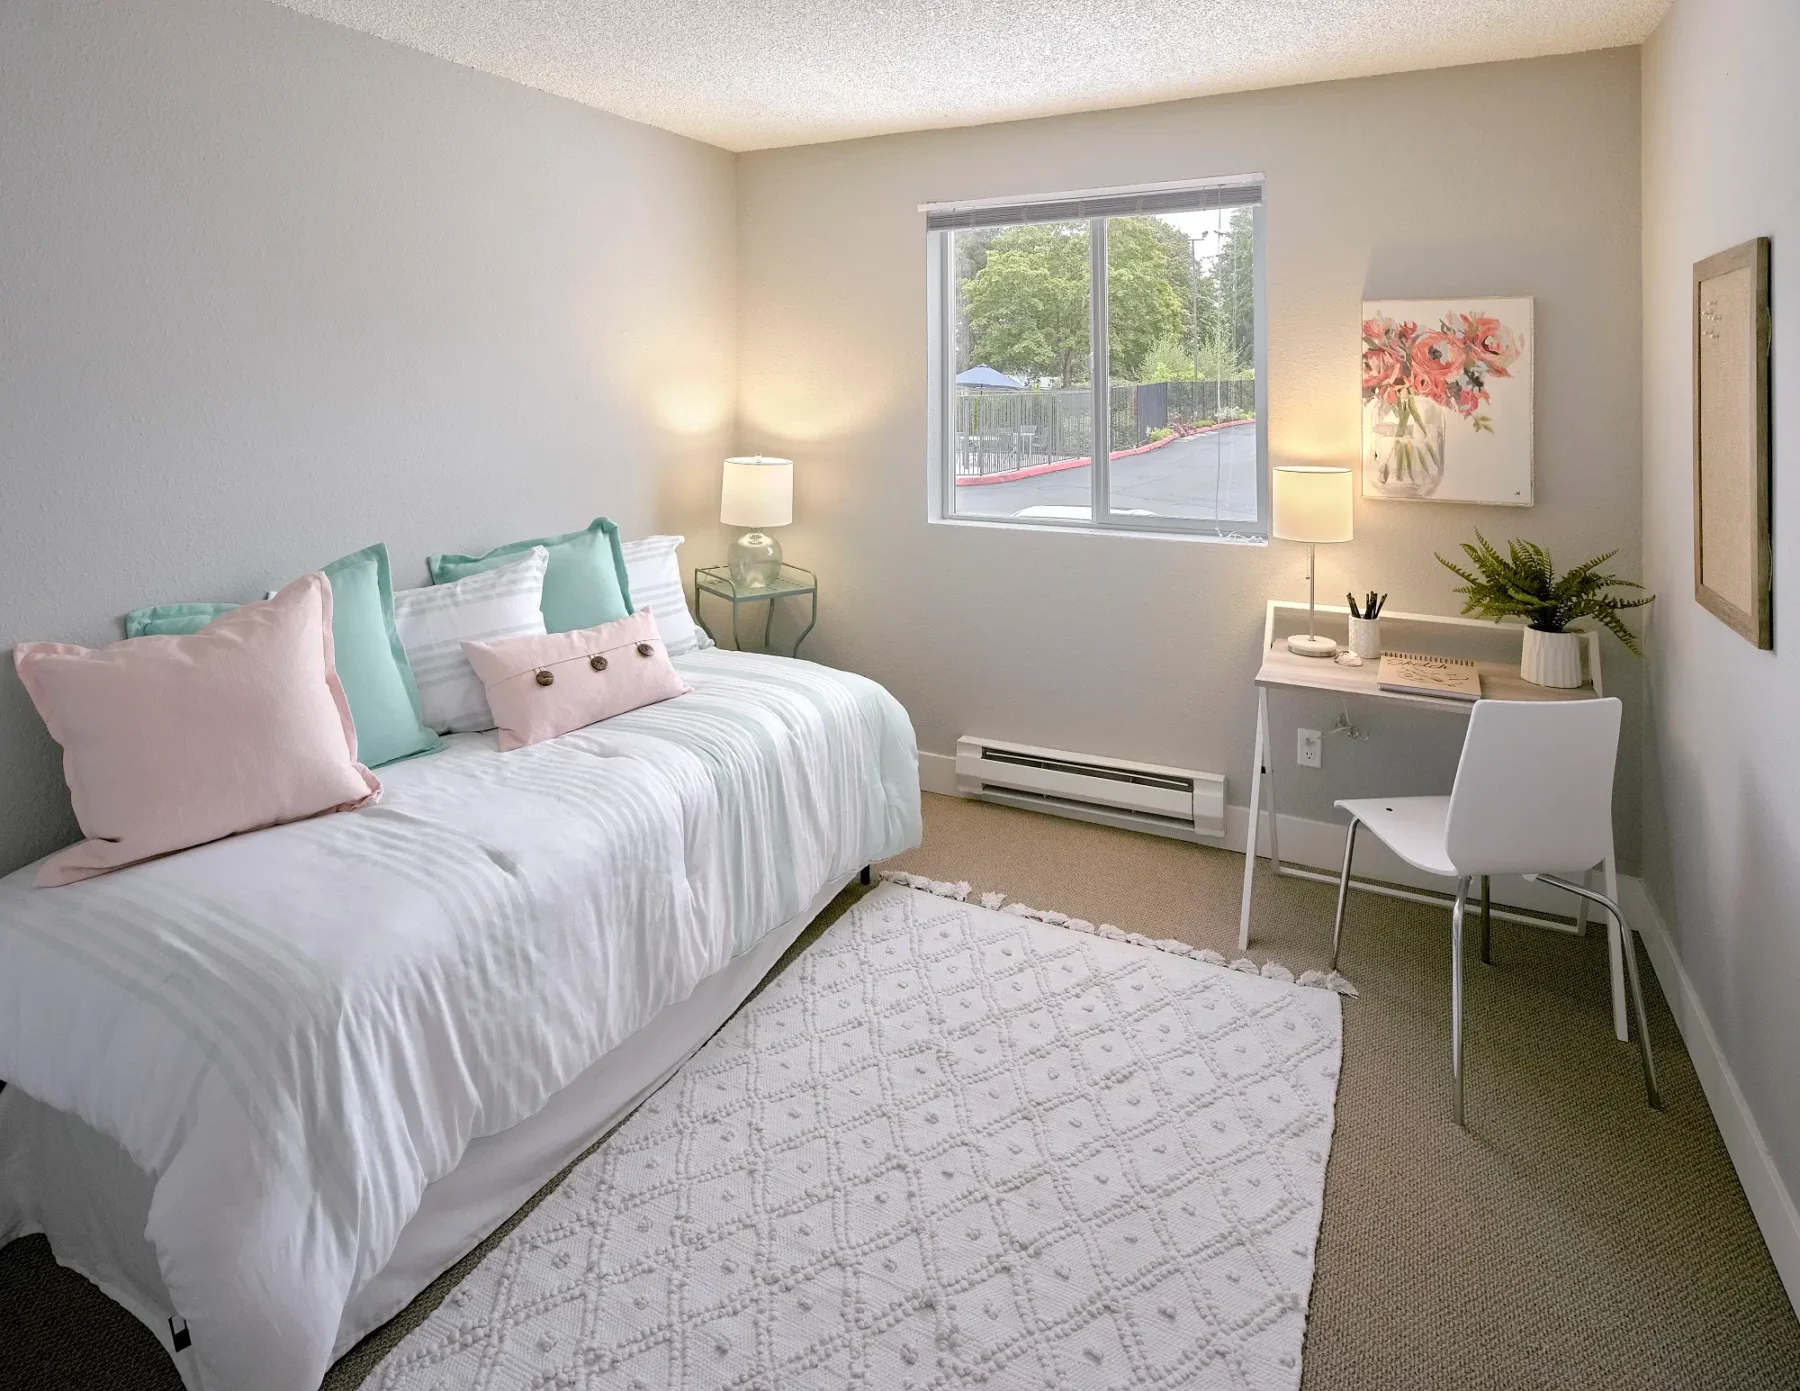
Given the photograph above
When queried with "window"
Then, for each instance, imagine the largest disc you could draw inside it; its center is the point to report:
(1167, 281)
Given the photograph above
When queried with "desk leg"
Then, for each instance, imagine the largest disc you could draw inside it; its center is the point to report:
(1269, 777)
(1256, 777)
(1615, 960)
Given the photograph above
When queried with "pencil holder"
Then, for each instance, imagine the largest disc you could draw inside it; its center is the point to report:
(1365, 638)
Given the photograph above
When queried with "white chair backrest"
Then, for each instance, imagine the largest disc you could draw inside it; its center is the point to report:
(1534, 787)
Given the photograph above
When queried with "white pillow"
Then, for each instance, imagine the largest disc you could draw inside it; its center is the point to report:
(655, 576)
(434, 622)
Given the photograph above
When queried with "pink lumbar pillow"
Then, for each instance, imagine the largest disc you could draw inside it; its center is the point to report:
(540, 687)
(170, 742)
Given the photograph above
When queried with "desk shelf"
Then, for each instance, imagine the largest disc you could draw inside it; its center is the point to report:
(1437, 633)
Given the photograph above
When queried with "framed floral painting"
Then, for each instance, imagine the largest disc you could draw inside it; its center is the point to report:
(1446, 392)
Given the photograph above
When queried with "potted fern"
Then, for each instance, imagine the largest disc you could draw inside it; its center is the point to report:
(1524, 584)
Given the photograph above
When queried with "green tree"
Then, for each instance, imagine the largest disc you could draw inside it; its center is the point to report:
(1025, 292)
(1028, 303)
(1142, 266)
(971, 249)
(1234, 285)
(1174, 360)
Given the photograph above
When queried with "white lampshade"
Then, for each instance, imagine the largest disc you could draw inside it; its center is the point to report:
(1313, 502)
(758, 492)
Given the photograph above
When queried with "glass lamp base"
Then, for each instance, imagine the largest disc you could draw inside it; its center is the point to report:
(754, 560)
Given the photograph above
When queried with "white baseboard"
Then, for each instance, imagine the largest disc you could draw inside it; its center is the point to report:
(1320, 845)
(937, 773)
(1770, 1202)
(1315, 844)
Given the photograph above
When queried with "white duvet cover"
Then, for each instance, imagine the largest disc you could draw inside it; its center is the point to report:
(295, 1031)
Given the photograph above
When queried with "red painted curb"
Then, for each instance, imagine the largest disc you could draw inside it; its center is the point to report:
(1058, 465)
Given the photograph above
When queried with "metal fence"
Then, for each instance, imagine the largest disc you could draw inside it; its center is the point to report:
(1161, 405)
(1003, 431)
(999, 431)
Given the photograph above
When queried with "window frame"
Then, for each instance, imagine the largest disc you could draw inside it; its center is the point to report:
(941, 376)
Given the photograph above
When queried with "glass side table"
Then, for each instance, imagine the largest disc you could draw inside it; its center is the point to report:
(792, 583)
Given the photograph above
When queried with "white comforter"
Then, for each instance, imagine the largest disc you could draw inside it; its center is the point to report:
(295, 1031)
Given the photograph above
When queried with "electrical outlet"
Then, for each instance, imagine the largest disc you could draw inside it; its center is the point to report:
(1312, 749)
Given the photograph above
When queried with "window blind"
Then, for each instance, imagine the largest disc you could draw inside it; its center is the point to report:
(1233, 193)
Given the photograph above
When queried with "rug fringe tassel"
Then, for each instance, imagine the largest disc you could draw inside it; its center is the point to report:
(960, 890)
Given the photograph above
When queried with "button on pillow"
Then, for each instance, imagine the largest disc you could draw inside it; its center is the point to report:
(540, 687)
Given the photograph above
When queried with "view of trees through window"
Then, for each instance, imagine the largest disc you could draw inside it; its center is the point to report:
(1181, 355)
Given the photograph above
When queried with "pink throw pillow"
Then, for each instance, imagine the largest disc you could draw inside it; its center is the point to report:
(170, 742)
(540, 687)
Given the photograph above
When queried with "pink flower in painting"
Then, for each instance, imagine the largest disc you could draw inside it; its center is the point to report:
(1449, 365)
(1437, 355)
(1489, 341)
(1383, 372)
(1386, 348)
(1468, 399)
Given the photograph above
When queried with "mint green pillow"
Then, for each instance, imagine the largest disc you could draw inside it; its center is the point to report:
(172, 620)
(371, 662)
(584, 584)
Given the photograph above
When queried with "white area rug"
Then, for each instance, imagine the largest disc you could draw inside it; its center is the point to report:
(949, 1145)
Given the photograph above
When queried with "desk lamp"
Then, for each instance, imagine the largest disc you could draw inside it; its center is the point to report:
(1312, 503)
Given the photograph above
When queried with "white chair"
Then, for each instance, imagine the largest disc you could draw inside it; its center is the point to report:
(1533, 796)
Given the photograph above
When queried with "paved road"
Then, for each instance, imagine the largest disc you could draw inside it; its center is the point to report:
(1189, 478)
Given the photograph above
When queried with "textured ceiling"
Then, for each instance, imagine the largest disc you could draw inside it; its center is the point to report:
(749, 74)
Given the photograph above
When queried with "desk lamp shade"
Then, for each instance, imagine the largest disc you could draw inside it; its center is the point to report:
(758, 492)
(1313, 503)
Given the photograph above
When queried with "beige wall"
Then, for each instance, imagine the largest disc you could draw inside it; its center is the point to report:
(1517, 178)
(1722, 845)
(271, 290)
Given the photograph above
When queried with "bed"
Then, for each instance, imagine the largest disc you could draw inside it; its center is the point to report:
(263, 1091)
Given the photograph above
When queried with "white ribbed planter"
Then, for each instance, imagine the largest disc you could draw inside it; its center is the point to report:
(1551, 659)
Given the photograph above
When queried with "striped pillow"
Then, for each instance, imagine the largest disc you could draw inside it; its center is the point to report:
(435, 621)
(655, 576)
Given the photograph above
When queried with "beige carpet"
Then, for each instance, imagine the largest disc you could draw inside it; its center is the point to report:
(1571, 1237)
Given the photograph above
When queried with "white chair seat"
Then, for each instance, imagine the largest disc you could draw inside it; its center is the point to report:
(1412, 827)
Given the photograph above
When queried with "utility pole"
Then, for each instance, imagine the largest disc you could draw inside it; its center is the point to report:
(1194, 310)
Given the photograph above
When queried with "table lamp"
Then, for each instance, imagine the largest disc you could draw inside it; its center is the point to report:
(1313, 503)
(757, 492)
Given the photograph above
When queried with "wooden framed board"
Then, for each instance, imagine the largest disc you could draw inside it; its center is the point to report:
(1732, 542)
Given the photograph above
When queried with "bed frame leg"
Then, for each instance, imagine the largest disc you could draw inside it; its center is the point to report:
(865, 873)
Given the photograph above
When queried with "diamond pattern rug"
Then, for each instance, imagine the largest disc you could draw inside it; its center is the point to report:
(950, 1145)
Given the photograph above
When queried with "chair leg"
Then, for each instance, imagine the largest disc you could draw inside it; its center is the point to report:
(1652, 1093)
(1456, 994)
(1487, 953)
(1337, 925)
(1628, 941)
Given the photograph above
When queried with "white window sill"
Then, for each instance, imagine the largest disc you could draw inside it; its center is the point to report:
(1076, 528)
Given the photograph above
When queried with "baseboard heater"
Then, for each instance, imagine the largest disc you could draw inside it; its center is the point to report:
(1175, 802)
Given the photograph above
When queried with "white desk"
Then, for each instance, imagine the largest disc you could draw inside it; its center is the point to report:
(1401, 632)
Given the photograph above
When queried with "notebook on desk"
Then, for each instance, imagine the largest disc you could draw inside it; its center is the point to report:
(1415, 673)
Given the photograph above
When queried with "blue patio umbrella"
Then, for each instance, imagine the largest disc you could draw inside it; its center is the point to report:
(985, 376)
